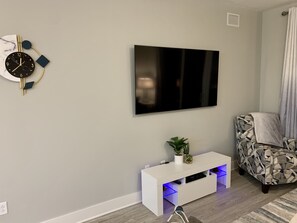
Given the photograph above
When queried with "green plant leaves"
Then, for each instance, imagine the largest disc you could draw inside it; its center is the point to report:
(178, 144)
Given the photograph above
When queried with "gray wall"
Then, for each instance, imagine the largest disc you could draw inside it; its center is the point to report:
(73, 141)
(274, 28)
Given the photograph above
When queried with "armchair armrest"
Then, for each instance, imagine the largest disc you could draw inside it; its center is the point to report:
(278, 165)
(270, 155)
(290, 144)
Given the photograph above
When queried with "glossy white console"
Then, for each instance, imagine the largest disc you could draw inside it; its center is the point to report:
(171, 181)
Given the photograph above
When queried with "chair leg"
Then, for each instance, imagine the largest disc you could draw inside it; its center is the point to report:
(265, 188)
(241, 171)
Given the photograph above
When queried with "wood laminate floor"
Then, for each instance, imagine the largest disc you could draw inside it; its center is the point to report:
(225, 206)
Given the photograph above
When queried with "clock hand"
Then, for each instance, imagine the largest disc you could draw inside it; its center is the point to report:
(21, 63)
(16, 68)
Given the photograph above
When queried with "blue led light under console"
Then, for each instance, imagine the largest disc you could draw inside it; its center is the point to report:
(219, 171)
(167, 190)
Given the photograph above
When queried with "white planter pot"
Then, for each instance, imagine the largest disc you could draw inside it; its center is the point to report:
(178, 159)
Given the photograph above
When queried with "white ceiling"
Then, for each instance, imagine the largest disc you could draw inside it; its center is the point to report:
(261, 5)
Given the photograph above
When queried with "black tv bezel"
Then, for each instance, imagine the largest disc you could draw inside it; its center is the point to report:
(178, 109)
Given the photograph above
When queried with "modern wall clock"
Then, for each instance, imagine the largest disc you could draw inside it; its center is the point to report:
(18, 64)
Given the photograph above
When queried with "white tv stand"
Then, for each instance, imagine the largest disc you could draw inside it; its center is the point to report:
(172, 182)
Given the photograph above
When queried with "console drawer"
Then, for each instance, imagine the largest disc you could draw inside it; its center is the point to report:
(188, 192)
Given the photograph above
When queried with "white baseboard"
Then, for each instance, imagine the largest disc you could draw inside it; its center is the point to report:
(98, 210)
(106, 207)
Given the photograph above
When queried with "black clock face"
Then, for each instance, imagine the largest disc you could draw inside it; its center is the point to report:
(19, 64)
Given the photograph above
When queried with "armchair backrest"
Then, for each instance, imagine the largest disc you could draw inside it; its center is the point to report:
(244, 127)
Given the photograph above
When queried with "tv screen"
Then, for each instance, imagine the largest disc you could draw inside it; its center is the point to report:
(169, 79)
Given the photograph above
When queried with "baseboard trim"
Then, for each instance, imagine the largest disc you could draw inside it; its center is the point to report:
(104, 208)
(98, 210)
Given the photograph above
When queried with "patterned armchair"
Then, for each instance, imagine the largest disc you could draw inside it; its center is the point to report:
(270, 165)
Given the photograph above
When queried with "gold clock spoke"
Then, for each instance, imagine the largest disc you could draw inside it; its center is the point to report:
(19, 43)
(22, 82)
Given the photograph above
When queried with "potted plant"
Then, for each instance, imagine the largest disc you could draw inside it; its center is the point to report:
(178, 145)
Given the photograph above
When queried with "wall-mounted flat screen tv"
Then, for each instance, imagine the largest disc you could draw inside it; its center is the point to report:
(169, 79)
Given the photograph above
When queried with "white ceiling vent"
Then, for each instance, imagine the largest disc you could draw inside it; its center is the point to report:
(233, 19)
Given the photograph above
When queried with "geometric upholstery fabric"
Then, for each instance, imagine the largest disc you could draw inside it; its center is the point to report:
(270, 165)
